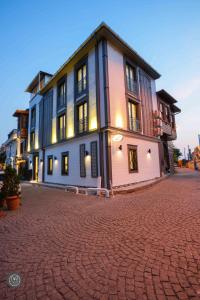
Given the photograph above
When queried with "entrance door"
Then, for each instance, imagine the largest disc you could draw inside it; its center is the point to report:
(35, 167)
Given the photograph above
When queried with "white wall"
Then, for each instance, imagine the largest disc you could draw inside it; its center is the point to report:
(74, 162)
(117, 88)
(92, 90)
(148, 164)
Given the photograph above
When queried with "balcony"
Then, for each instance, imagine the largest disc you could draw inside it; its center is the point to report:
(83, 125)
(134, 124)
(169, 133)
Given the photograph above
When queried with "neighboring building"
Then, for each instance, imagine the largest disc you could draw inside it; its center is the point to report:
(167, 112)
(2, 156)
(94, 122)
(22, 140)
(11, 148)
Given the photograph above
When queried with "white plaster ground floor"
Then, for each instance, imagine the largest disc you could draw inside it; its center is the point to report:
(148, 163)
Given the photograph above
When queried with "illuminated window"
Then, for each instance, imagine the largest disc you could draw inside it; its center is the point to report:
(50, 165)
(132, 159)
(81, 79)
(65, 163)
(32, 139)
(133, 114)
(131, 78)
(82, 118)
(61, 127)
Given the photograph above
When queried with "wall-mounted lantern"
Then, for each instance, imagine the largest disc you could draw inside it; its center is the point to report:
(149, 151)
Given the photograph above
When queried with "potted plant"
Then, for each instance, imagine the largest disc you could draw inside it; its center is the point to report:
(11, 188)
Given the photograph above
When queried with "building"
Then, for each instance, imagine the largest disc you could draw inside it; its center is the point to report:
(10, 146)
(97, 120)
(22, 140)
(167, 112)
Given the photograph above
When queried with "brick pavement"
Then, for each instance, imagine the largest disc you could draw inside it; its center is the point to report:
(144, 245)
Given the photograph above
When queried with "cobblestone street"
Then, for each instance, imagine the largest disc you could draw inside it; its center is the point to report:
(144, 245)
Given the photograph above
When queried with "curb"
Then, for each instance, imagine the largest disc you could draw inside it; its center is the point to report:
(140, 188)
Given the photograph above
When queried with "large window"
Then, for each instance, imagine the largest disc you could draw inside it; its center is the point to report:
(133, 112)
(33, 117)
(132, 159)
(81, 77)
(61, 95)
(82, 118)
(131, 78)
(32, 139)
(61, 127)
(50, 165)
(65, 163)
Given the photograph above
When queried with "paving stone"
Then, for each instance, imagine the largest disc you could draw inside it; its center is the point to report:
(140, 246)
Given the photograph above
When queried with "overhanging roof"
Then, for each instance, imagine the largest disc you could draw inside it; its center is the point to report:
(104, 31)
(175, 109)
(19, 112)
(35, 80)
(166, 97)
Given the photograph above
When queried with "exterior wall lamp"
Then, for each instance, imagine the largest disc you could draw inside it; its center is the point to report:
(120, 147)
(55, 158)
(41, 160)
(149, 151)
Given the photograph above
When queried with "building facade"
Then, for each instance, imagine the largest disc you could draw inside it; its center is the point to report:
(97, 120)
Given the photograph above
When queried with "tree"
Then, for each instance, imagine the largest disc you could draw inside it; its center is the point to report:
(177, 154)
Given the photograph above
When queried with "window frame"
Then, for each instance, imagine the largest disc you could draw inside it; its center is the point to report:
(130, 64)
(138, 113)
(130, 148)
(63, 155)
(85, 129)
(80, 65)
(33, 120)
(49, 172)
(32, 141)
(63, 114)
(62, 81)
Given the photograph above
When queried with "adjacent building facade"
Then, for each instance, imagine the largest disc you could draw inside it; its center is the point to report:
(98, 121)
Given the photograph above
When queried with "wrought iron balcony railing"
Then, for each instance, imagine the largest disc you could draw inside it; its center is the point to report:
(82, 125)
(134, 124)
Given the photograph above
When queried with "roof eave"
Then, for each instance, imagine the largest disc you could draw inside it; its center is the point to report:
(101, 31)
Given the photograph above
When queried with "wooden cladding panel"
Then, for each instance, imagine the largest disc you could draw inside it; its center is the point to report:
(147, 105)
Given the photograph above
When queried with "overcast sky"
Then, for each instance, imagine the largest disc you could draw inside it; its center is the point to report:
(41, 35)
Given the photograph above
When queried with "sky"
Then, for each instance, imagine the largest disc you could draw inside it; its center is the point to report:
(41, 35)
